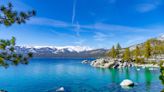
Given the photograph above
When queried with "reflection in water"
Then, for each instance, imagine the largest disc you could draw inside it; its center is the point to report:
(114, 75)
(161, 77)
(148, 79)
(136, 76)
(127, 73)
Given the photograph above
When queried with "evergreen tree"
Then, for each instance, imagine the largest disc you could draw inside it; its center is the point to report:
(137, 54)
(7, 47)
(118, 48)
(112, 53)
(126, 55)
(147, 49)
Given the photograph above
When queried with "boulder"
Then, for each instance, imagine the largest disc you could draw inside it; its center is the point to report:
(85, 62)
(108, 65)
(127, 82)
(102, 63)
(61, 89)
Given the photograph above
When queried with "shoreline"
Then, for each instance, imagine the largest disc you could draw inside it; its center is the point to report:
(111, 63)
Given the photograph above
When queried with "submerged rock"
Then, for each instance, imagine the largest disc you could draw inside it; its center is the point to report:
(3, 90)
(126, 83)
(61, 89)
(138, 69)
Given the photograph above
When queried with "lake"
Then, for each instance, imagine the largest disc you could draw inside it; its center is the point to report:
(48, 74)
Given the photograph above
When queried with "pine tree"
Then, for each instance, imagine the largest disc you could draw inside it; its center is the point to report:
(7, 47)
(137, 54)
(147, 49)
(112, 53)
(126, 55)
(118, 48)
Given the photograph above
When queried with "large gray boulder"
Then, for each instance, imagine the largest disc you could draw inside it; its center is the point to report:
(127, 82)
(102, 63)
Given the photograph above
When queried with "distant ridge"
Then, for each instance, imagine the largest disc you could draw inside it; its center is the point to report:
(62, 52)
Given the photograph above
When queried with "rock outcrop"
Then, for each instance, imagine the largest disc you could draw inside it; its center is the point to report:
(110, 63)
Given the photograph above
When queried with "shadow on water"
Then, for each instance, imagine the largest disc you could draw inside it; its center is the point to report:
(114, 75)
(161, 77)
(148, 79)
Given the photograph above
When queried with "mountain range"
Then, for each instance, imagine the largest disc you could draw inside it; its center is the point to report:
(61, 52)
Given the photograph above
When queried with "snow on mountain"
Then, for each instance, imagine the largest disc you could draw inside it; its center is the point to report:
(59, 48)
(161, 38)
(65, 51)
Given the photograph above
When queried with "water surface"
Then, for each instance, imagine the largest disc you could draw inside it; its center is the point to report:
(47, 74)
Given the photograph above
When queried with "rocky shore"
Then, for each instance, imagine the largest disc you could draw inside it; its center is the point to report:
(110, 63)
(115, 63)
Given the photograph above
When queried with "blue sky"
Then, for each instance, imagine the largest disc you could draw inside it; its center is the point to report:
(92, 23)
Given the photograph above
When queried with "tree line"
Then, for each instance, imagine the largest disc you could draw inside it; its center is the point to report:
(140, 53)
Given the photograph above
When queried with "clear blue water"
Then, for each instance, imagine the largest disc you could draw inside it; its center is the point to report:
(46, 75)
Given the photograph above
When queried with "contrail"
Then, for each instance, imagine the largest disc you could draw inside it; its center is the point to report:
(77, 29)
(74, 11)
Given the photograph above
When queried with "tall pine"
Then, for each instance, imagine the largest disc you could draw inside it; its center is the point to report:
(118, 48)
(137, 54)
(126, 55)
(112, 53)
(147, 49)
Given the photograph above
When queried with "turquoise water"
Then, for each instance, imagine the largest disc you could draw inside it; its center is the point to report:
(46, 75)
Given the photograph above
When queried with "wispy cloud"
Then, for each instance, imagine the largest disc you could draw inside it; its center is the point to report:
(89, 27)
(79, 42)
(77, 29)
(113, 28)
(99, 36)
(48, 22)
(74, 11)
(135, 40)
(148, 6)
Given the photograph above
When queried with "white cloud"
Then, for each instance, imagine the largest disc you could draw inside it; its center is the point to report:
(97, 27)
(48, 22)
(101, 36)
(113, 28)
(148, 6)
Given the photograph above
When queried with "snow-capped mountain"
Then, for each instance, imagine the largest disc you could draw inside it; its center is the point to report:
(65, 52)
